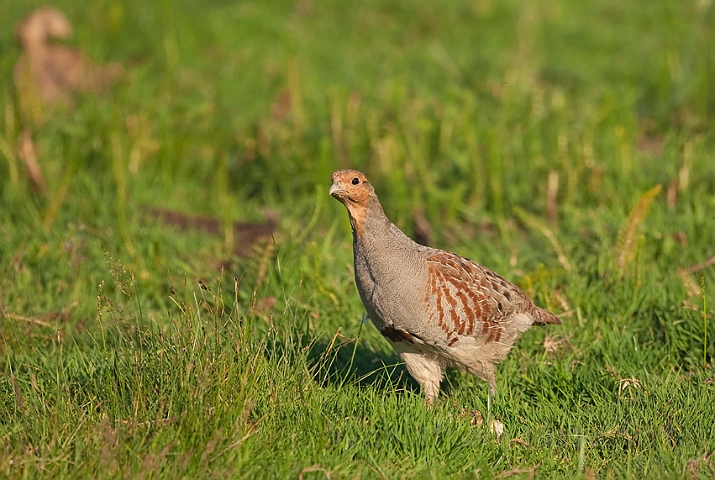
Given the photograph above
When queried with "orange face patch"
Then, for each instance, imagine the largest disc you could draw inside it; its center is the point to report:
(351, 186)
(352, 189)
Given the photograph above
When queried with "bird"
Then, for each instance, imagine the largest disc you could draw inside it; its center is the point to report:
(52, 73)
(436, 308)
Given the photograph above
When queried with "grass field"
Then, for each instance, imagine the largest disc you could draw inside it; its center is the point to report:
(567, 145)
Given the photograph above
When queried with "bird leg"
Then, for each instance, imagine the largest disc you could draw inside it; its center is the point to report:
(489, 404)
(427, 371)
(489, 371)
(485, 371)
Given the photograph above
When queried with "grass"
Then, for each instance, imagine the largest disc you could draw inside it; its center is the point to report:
(568, 146)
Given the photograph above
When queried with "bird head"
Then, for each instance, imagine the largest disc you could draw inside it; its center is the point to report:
(351, 187)
(42, 24)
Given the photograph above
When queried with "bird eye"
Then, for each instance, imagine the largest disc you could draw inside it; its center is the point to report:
(356, 180)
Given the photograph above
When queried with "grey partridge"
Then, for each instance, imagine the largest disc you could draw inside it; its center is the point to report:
(436, 308)
(55, 72)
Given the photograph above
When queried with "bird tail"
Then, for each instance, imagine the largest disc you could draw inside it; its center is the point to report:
(544, 317)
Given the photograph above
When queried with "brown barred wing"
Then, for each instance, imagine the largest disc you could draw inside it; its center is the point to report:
(466, 299)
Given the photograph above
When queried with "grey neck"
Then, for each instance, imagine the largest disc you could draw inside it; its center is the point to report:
(378, 228)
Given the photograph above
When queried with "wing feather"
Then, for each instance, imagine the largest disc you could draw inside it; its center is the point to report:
(467, 299)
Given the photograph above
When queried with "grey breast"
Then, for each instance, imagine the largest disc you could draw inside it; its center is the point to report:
(392, 286)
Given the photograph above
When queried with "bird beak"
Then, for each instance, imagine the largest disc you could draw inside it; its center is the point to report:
(336, 190)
